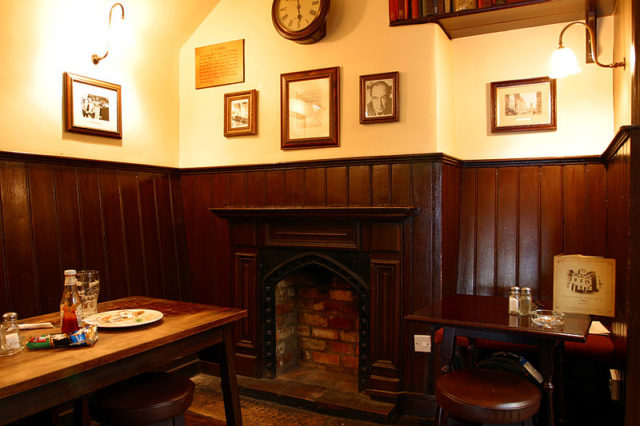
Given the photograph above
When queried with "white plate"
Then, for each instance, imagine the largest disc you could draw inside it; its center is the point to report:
(124, 318)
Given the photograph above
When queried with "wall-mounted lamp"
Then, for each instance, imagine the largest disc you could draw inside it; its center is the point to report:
(564, 61)
(95, 58)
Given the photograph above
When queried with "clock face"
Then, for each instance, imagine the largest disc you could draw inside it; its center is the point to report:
(297, 15)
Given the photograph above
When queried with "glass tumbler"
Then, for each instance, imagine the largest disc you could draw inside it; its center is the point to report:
(88, 286)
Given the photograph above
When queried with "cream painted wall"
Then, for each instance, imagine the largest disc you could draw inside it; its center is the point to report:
(41, 39)
(622, 78)
(584, 101)
(359, 40)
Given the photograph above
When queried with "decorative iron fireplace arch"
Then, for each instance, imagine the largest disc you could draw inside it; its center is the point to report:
(290, 265)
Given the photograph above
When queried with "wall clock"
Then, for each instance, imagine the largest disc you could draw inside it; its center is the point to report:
(302, 21)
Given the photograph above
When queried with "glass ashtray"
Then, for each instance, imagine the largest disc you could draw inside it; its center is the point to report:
(547, 318)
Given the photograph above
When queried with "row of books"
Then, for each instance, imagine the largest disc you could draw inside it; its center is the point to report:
(413, 9)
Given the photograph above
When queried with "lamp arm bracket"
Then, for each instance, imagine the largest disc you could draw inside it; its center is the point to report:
(95, 58)
(594, 53)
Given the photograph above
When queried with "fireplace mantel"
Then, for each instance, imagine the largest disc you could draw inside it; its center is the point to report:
(383, 213)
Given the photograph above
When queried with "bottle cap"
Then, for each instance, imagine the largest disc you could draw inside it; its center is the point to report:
(526, 290)
(10, 316)
(515, 289)
(70, 272)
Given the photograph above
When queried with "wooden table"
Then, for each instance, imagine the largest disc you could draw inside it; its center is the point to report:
(487, 317)
(35, 380)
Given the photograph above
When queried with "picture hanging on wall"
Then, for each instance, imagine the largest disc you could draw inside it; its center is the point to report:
(523, 105)
(379, 98)
(310, 108)
(240, 113)
(92, 107)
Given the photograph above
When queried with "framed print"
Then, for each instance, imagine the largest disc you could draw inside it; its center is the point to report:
(310, 108)
(240, 113)
(379, 98)
(92, 106)
(584, 284)
(523, 105)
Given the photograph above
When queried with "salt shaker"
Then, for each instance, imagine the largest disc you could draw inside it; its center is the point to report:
(11, 334)
(514, 301)
(525, 301)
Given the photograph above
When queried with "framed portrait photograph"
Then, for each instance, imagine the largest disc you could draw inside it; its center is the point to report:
(310, 108)
(241, 113)
(92, 106)
(379, 98)
(523, 105)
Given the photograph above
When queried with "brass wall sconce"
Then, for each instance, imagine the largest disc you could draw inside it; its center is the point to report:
(95, 58)
(564, 61)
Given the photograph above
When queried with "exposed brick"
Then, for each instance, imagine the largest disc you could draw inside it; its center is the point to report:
(318, 306)
(315, 344)
(342, 348)
(341, 323)
(312, 319)
(349, 336)
(324, 333)
(310, 292)
(333, 306)
(349, 361)
(285, 332)
(345, 295)
(285, 307)
(338, 282)
(325, 358)
(304, 330)
(350, 309)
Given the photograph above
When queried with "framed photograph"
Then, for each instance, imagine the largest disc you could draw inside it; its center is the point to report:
(523, 105)
(241, 113)
(379, 98)
(310, 108)
(92, 106)
(584, 284)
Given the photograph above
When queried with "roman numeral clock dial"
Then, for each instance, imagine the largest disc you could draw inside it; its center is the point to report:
(302, 21)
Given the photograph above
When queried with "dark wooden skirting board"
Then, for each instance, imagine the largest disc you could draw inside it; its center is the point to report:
(477, 227)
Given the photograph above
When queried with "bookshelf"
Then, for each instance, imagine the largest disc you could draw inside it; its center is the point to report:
(530, 13)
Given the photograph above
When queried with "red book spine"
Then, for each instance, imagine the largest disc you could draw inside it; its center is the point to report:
(484, 3)
(401, 10)
(415, 9)
(393, 10)
(407, 9)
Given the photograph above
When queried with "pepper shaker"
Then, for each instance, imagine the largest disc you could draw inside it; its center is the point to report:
(525, 301)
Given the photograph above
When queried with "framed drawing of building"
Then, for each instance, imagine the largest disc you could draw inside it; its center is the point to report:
(584, 284)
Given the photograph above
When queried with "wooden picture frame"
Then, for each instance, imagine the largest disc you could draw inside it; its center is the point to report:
(92, 107)
(309, 102)
(523, 105)
(241, 113)
(379, 98)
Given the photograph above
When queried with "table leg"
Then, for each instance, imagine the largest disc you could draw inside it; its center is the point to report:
(228, 378)
(546, 367)
(446, 350)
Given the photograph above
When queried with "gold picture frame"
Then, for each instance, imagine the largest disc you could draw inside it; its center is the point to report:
(241, 113)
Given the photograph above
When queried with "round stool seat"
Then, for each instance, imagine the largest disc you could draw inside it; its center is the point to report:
(144, 399)
(487, 396)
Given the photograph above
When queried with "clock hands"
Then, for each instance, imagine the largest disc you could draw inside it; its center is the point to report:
(299, 14)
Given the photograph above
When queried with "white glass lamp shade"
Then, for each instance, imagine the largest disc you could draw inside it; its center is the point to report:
(563, 63)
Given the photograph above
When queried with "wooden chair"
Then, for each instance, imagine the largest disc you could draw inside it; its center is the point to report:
(153, 398)
(486, 396)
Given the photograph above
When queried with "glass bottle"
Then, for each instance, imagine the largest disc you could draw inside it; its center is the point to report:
(12, 343)
(525, 301)
(70, 306)
(514, 301)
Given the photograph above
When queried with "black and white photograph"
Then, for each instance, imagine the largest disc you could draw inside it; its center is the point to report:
(240, 113)
(379, 98)
(92, 107)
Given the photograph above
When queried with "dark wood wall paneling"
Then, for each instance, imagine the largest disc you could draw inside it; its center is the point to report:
(516, 217)
(125, 221)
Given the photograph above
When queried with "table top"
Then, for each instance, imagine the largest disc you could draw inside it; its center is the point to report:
(31, 368)
(491, 313)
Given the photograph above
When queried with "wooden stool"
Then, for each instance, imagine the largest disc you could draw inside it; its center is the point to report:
(486, 396)
(149, 398)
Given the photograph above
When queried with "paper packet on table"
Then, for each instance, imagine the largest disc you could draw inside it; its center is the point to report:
(86, 336)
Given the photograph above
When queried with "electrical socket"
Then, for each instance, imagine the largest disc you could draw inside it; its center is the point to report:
(422, 343)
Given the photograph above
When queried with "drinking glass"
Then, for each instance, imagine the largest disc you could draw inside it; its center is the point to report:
(88, 286)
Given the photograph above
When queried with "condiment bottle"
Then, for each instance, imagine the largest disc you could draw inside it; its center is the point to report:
(11, 334)
(514, 301)
(70, 306)
(525, 301)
